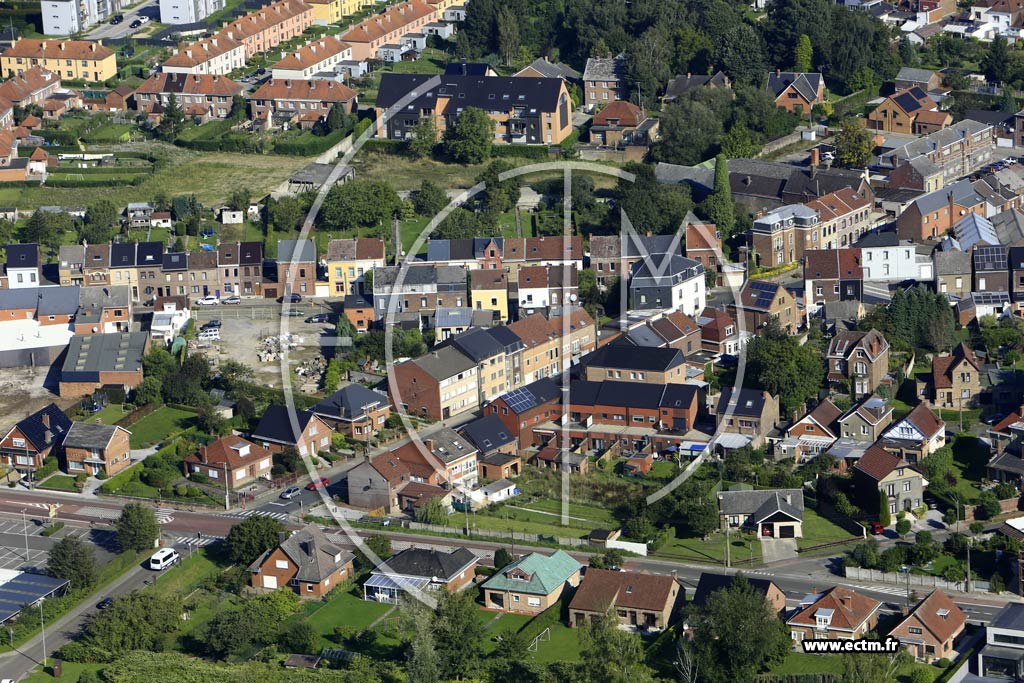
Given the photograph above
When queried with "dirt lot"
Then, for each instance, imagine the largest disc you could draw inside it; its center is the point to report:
(241, 339)
(22, 392)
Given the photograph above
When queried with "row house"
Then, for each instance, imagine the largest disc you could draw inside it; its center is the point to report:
(703, 244)
(952, 271)
(306, 101)
(552, 346)
(327, 12)
(266, 28)
(832, 275)
(541, 288)
(202, 95)
(488, 290)
(859, 360)
(203, 274)
(626, 363)
(909, 111)
(104, 310)
(419, 292)
(316, 57)
(759, 301)
(484, 253)
(747, 414)
(524, 110)
(218, 55)
(389, 27)
(72, 59)
(523, 409)
(33, 86)
(241, 268)
(615, 256)
(348, 260)
(843, 216)
(627, 415)
(668, 283)
(173, 277)
(497, 354)
(23, 266)
(888, 257)
(953, 152)
(296, 268)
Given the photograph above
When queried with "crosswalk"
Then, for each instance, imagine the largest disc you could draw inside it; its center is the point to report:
(889, 590)
(197, 542)
(280, 516)
(164, 516)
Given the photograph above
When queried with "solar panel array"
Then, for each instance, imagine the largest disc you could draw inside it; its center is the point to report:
(907, 102)
(763, 292)
(25, 589)
(990, 258)
(520, 399)
(990, 298)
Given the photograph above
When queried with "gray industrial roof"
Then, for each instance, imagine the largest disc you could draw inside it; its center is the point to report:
(91, 354)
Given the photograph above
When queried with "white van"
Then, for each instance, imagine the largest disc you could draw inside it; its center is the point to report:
(164, 558)
(210, 334)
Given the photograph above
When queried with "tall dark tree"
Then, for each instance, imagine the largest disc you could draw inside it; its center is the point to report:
(719, 205)
(780, 365)
(430, 199)
(648, 64)
(70, 558)
(611, 655)
(459, 635)
(996, 64)
(689, 132)
(252, 537)
(137, 528)
(469, 140)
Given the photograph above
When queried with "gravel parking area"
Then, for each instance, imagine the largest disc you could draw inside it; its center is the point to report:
(23, 391)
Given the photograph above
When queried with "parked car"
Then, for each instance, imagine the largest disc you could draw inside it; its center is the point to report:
(994, 418)
(210, 325)
(135, 24)
(117, 20)
(319, 318)
(143, 19)
(207, 301)
(291, 298)
(877, 528)
(290, 493)
(318, 484)
(231, 300)
(105, 603)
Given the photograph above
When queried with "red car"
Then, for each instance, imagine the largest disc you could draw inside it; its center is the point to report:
(318, 484)
(877, 528)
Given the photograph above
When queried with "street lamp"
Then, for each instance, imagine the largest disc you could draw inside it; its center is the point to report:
(906, 570)
(42, 626)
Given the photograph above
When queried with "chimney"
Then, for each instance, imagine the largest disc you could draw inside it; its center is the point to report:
(429, 443)
(61, 44)
(815, 157)
(46, 420)
(778, 72)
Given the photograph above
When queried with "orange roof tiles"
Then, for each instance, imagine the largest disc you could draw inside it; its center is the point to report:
(312, 53)
(58, 49)
(288, 89)
(620, 113)
(393, 19)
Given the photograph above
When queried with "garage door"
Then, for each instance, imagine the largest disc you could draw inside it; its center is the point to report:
(787, 531)
(270, 582)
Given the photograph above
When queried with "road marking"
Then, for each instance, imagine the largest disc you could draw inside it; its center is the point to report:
(199, 542)
(164, 516)
(282, 516)
(102, 513)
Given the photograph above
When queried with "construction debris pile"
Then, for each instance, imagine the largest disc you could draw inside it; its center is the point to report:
(312, 373)
(274, 346)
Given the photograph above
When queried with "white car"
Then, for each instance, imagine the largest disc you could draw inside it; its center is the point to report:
(143, 18)
(207, 301)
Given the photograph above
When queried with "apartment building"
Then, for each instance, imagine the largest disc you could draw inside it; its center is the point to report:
(933, 214)
(203, 95)
(389, 27)
(436, 385)
(218, 55)
(424, 289)
(176, 12)
(266, 28)
(497, 354)
(604, 81)
(309, 100)
(68, 17)
(524, 110)
(952, 153)
(676, 283)
(73, 59)
(552, 346)
(627, 363)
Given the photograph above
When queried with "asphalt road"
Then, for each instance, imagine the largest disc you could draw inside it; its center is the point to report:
(149, 8)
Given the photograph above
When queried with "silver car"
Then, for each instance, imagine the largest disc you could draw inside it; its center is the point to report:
(290, 492)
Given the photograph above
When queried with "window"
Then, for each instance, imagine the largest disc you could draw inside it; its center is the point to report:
(19, 443)
(281, 564)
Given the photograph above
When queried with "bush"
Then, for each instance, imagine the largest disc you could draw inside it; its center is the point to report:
(520, 151)
(101, 475)
(307, 144)
(943, 663)
(53, 528)
(180, 490)
(199, 478)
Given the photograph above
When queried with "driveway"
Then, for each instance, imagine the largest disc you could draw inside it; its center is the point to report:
(778, 549)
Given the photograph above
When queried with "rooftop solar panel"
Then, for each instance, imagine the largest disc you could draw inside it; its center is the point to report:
(26, 589)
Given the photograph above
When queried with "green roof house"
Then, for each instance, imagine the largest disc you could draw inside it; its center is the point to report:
(532, 583)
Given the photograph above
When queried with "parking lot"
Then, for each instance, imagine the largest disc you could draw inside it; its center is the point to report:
(25, 390)
(244, 327)
(15, 532)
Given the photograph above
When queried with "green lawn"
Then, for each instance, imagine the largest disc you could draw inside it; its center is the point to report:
(60, 482)
(593, 513)
(801, 663)
(346, 609)
(160, 424)
(744, 546)
(505, 622)
(818, 530)
(110, 414)
(564, 646)
(522, 521)
(70, 672)
(188, 575)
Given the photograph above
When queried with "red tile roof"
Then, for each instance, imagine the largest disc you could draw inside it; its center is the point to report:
(937, 613)
(394, 19)
(30, 48)
(925, 420)
(190, 84)
(944, 367)
(228, 450)
(602, 589)
(850, 609)
(312, 53)
(620, 113)
(294, 89)
(877, 462)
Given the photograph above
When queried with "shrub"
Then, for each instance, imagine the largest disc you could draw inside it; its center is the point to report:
(199, 478)
(943, 663)
(102, 475)
(180, 490)
(53, 528)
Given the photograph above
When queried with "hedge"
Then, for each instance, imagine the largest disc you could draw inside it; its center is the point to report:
(53, 528)
(49, 467)
(520, 151)
(93, 182)
(309, 145)
(384, 146)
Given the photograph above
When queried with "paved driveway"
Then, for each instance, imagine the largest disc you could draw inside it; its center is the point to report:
(778, 549)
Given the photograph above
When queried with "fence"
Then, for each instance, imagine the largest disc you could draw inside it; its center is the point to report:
(794, 137)
(913, 580)
(638, 548)
(513, 535)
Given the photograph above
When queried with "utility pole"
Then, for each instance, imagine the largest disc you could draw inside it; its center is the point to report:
(728, 562)
(969, 543)
(1020, 575)
(42, 626)
(227, 489)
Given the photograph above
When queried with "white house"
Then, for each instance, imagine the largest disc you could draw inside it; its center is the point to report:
(230, 217)
(920, 427)
(886, 258)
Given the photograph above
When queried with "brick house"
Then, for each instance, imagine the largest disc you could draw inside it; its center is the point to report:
(840, 613)
(860, 359)
(296, 267)
(202, 95)
(917, 435)
(33, 438)
(796, 92)
(719, 332)
(866, 421)
(532, 583)
(931, 628)
(635, 364)
(813, 433)
(520, 410)
(498, 456)
(710, 583)
(746, 412)
(305, 100)
(306, 561)
(309, 435)
(420, 569)
(604, 80)
(832, 275)
(759, 301)
(94, 448)
(241, 460)
(360, 313)
(879, 470)
(437, 385)
(374, 483)
(704, 244)
(641, 601)
(355, 411)
(955, 381)
(96, 360)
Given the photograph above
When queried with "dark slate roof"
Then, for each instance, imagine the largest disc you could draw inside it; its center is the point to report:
(90, 354)
(745, 402)
(122, 255)
(532, 395)
(634, 358)
(22, 255)
(804, 83)
(276, 426)
(314, 555)
(630, 394)
(89, 435)
(175, 261)
(36, 432)
(300, 251)
(429, 563)
(147, 253)
(680, 85)
(250, 253)
(488, 433)
(477, 344)
(464, 68)
(709, 583)
(554, 70)
(349, 402)
(45, 300)
(878, 239)
(790, 501)
(488, 93)
(1010, 617)
(506, 337)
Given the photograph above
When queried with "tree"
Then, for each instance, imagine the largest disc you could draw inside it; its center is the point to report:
(996, 63)
(719, 205)
(497, 196)
(72, 559)
(459, 634)
(252, 537)
(422, 659)
(738, 143)
(423, 140)
(740, 52)
(738, 634)
(508, 34)
(649, 63)
(238, 108)
(469, 140)
(102, 214)
(502, 558)
(780, 365)
(430, 200)
(459, 224)
(884, 516)
(240, 199)
(903, 527)
(988, 506)
(359, 203)
(610, 654)
(285, 214)
(432, 512)
(875, 669)
(299, 637)
(137, 528)
(649, 204)
(141, 620)
(853, 144)
(689, 130)
(803, 54)
(148, 392)
(172, 120)
(47, 229)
